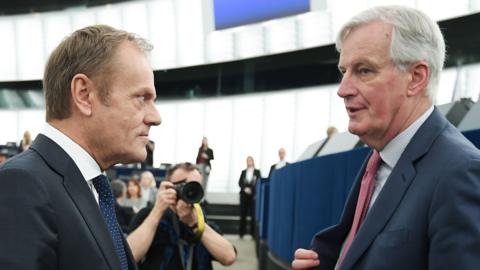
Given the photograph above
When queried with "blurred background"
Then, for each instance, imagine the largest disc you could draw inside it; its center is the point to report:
(252, 76)
(250, 84)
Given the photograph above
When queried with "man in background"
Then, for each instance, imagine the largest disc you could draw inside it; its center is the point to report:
(124, 214)
(166, 236)
(281, 162)
(4, 154)
(56, 203)
(416, 206)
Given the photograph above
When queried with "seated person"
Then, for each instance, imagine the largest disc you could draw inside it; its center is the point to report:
(281, 162)
(162, 236)
(148, 187)
(124, 213)
(134, 196)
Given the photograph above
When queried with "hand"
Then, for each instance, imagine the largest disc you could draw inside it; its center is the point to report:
(185, 213)
(166, 196)
(304, 259)
(248, 190)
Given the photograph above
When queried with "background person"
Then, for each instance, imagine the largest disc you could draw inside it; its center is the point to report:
(148, 162)
(25, 142)
(134, 196)
(281, 161)
(204, 156)
(148, 187)
(247, 181)
(163, 235)
(124, 213)
(4, 154)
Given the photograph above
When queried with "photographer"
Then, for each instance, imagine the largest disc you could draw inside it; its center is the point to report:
(166, 236)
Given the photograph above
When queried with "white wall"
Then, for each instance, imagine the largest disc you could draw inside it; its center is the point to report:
(182, 31)
(252, 124)
(237, 126)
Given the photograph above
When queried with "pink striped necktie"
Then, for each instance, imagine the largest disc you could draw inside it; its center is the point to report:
(363, 202)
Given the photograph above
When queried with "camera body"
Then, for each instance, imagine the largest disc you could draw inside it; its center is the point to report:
(190, 192)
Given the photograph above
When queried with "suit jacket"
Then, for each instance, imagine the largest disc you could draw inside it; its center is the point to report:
(427, 214)
(272, 168)
(50, 219)
(201, 160)
(242, 182)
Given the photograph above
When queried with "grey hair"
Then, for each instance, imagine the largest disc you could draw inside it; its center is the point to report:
(118, 188)
(415, 37)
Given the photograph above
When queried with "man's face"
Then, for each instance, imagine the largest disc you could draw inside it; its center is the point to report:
(281, 153)
(372, 88)
(124, 120)
(249, 162)
(180, 175)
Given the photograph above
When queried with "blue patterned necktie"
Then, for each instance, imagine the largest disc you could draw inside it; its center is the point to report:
(107, 206)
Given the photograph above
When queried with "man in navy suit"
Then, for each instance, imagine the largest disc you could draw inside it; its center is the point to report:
(424, 202)
(100, 93)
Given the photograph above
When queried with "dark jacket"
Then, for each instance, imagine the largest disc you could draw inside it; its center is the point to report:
(50, 219)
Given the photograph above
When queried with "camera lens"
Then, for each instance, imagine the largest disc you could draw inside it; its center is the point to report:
(190, 192)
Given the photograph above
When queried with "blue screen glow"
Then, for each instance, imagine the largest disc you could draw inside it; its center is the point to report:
(230, 13)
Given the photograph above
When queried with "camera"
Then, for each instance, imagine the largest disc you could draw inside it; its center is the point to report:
(190, 192)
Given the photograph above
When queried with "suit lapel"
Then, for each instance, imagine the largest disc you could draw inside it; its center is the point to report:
(395, 188)
(378, 216)
(80, 193)
(86, 204)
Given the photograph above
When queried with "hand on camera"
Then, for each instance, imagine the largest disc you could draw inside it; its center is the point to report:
(185, 213)
(166, 196)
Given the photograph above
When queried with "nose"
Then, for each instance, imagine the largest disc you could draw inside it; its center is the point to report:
(153, 118)
(346, 87)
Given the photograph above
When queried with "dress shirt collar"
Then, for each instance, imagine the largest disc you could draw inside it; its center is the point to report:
(393, 150)
(84, 161)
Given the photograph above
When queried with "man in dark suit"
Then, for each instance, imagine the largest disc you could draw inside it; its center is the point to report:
(281, 162)
(247, 181)
(416, 206)
(56, 205)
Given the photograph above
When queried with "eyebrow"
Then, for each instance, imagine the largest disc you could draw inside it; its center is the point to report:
(146, 91)
(361, 61)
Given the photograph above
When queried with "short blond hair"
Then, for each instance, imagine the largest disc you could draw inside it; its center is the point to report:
(87, 51)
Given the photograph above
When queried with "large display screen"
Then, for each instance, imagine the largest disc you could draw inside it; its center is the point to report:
(230, 13)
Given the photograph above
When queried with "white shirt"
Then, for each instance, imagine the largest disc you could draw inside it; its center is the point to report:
(280, 164)
(85, 163)
(249, 175)
(391, 153)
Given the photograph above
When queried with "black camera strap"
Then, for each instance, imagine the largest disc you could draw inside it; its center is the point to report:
(181, 243)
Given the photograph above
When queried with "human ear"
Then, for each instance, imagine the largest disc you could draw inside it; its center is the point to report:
(81, 90)
(419, 78)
